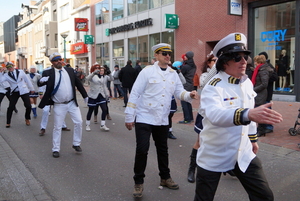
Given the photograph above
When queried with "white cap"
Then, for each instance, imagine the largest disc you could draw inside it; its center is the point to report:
(54, 56)
(234, 42)
(33, 66)
(162, 47)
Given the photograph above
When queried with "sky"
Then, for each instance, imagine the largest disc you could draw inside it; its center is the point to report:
(10, 8)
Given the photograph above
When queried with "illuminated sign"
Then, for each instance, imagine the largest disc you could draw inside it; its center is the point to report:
(81, 24)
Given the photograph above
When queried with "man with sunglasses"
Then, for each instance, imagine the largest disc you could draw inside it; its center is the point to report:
(228, 140)
(61, 93)
(148, 109)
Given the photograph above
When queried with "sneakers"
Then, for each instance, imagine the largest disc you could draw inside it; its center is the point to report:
(169, 183)
(138, 190)
(87, 128)
(104, 128)
(184, 122)
(171, 136)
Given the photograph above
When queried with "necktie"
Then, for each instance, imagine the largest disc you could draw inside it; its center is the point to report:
(12, 75)
(57, 86)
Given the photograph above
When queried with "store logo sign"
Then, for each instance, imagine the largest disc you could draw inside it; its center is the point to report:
(276, 35)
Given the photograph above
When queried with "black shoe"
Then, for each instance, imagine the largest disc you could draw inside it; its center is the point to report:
(77, 148)
(268, 131)
(7, 126)
(171, 136)
(42, 132)
(55, 154)
(16, 111)
(184, 122)
(65, 129)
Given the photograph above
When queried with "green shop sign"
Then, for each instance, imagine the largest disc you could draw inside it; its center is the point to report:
(88, 39)
(171, 21)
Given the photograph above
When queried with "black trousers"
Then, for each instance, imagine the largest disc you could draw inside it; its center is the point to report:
(160, 137)
(14, 97)
(253, 181)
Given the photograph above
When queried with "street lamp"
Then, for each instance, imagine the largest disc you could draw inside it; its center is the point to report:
(64, 35)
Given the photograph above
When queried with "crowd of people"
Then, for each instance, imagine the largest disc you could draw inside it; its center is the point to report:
(234, 97)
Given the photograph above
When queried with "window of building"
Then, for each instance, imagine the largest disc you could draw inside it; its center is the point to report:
(131, 4)
(102, 53)
(132, 49)
(117, 9)
(168, 37)
(142, 50)
(165, 2)
(274, 28)
(64, 11)
(153, 40)
(142, 5)
(154, 3)
(118, 48)
(102, 12)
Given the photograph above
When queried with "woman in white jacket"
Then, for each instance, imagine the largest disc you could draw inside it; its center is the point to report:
(98, 94)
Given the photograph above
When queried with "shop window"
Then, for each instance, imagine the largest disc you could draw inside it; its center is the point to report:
(153, 40)
(168, 37)
(274, 28)
(142, 50)
(142, 5)
(132, 49)
(102, 12)
(118, 48)
(102, 53)
(117, 9)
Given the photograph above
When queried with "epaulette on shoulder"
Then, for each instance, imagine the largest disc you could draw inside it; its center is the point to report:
(214, 82)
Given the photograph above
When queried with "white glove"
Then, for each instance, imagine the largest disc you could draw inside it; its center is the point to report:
(86, 100)
(44, 79)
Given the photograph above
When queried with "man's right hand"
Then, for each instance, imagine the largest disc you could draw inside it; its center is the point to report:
(129, 126)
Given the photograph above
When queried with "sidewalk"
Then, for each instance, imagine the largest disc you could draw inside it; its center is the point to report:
(280, 137)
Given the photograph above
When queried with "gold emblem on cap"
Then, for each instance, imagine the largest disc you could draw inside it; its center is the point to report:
(238, 37)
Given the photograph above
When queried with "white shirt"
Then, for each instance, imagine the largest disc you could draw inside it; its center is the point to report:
(151, 95)
(64, 92)
(222, 142)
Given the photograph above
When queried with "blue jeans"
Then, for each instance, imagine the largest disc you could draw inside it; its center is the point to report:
(187, 111)
(118, 90)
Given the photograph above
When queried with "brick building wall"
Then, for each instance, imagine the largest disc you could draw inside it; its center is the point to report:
(202, 24)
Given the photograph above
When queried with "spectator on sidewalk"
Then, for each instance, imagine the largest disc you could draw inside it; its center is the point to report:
(148, 109)
(127, 77)
(138, 67)
(188, 70)
(117, 83)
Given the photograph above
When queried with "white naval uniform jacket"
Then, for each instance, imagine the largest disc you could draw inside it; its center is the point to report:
(34, 80)
(224, 140)
(151, 95)
(23, 83)
(98, 85)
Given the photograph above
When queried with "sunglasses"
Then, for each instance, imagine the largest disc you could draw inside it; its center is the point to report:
(165, 53)
(56, 60)
(97, 68)
(238, 57)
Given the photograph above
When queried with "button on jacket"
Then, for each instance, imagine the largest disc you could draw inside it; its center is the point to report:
(224, 140)
(151, 95)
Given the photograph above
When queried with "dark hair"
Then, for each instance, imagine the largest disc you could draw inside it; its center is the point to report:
(223, 59)
(205, 66)
(137, 62)
(129, 62)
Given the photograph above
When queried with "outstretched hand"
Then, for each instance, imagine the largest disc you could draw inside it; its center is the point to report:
(264, 115)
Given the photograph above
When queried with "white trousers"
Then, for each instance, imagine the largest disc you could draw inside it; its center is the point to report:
(45, 116)
(60, 111)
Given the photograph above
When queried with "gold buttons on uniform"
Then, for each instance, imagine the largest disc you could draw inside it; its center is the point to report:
(150, 104)
(231, 103)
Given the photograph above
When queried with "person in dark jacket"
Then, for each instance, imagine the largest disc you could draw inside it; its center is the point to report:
(188, 70)
(274, 77)
(138, 67)
(127, 77)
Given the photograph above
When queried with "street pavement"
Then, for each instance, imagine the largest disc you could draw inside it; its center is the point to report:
(104, 170)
